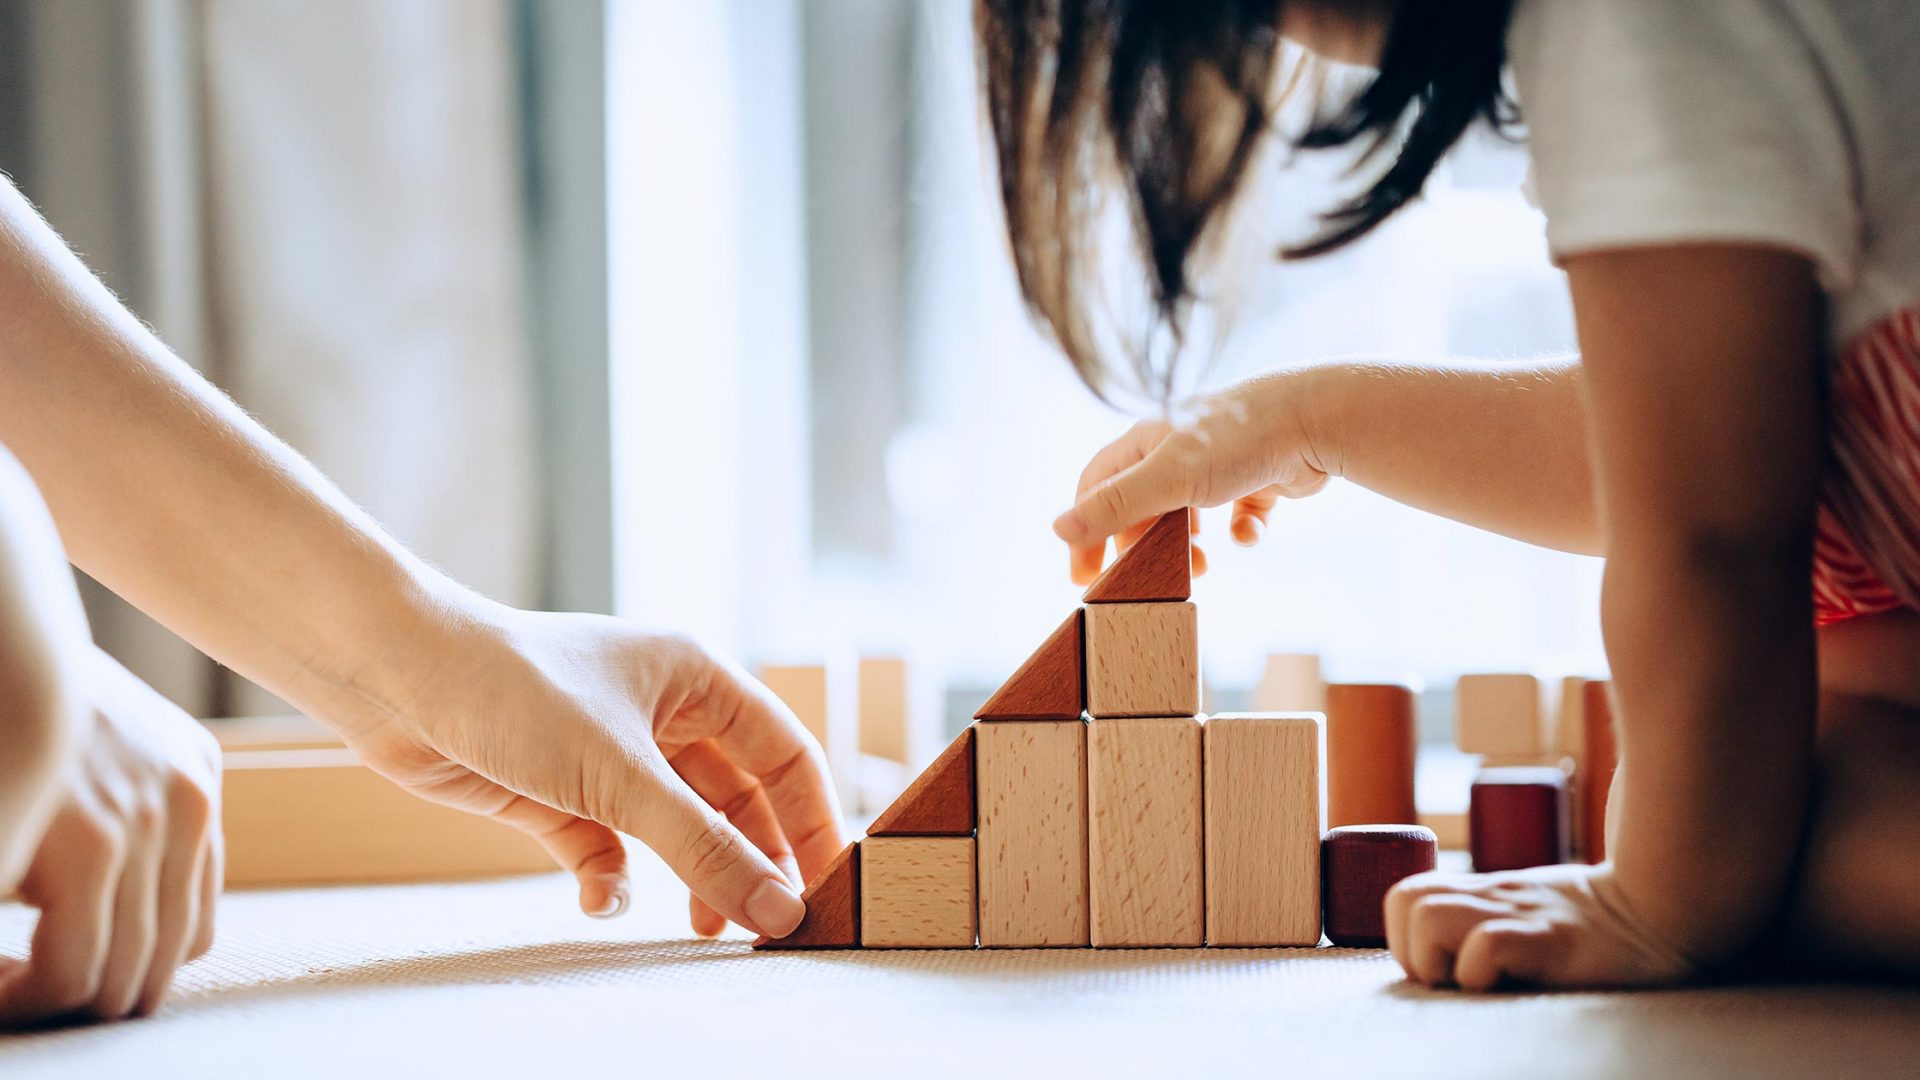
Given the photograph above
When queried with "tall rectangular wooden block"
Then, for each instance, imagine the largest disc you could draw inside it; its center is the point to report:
(1143, 660)
(1500, 715)
(1032, 807)
(885, 720)
(916, 892)
(1144, 832)
(1263, 822)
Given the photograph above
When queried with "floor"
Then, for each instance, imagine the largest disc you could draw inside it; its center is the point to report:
(503, 978)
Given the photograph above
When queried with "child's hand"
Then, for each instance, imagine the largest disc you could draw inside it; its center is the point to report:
(1551, 926)
(128, 871)
(574, 728)
(1247, 445)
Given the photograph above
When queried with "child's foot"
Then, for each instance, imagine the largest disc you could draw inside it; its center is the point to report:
(1551, 926)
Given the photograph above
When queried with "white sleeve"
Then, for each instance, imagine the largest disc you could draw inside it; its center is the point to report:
(1661, 121)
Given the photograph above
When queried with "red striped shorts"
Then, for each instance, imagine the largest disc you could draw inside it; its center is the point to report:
(1866, 555)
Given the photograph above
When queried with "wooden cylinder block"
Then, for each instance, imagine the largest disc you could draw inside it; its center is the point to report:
(1596, 769)
(1518, 818)
(1358, 864)
(1370, 750)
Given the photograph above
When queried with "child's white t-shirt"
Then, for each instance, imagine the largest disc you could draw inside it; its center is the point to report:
(1786, 122)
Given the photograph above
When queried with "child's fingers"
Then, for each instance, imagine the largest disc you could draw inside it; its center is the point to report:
(1199, 561)
(1133, 496)
(1250, 515)
(69, 949)
(1504, 951)
(1437, 925)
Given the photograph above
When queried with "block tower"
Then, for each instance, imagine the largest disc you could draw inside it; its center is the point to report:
(1091, 805)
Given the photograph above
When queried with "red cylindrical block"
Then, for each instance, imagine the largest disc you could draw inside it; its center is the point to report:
(1596, 769)
(1518, 818)
(1358, 864)
(1370, 749)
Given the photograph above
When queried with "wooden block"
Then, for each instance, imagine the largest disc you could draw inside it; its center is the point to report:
(1596, 767)
(1291, 682)
(1049, 686)
(832, 920)
(939, 802)
(1499, 714)
(1569, 721)
(1159, 565)
(319, 816)
(1145, 841)
(803, 687)
(1263, 814)
(1449, 830)
(885, 728)
(1032, 781)
(916, 892)
(1358, 864)
(1143, 660)
(274, 733)
(1371, 742)
(1518, 818)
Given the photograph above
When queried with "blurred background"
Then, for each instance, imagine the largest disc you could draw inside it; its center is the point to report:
(700, 313)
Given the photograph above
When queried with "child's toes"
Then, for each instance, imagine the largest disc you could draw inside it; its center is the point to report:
(1504, 952)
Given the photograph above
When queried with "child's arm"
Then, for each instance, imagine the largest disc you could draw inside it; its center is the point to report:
(1500, 446)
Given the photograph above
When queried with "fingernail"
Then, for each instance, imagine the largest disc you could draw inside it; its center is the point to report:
(615, 903)
(775, 909)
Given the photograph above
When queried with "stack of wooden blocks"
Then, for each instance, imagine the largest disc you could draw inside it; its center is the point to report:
(1091, 805)
(1541, 794)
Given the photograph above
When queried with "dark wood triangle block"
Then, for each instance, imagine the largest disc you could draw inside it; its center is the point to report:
(833, 908)
(939, 802)
(1159, 566)
(1050, 685)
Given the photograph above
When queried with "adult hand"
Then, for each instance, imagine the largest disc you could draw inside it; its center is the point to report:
(574, 728)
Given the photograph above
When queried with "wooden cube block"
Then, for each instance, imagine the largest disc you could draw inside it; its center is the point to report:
(1263, 814)
(1499, 714)
(1144, 833)
(832, 920)
(1291, 682)
(1032, 805)
(1371, 740)
(916, 892)
(1596, 768)
(1518, 818)
(1143, 660)
(1358, 864)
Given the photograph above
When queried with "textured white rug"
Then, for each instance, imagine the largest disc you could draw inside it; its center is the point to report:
(504, 979)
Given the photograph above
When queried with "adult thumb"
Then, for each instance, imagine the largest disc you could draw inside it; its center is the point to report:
(717, 863)
(1140, 492)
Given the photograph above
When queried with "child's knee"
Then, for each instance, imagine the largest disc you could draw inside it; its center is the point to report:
(43, 638)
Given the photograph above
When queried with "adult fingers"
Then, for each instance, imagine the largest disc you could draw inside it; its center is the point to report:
(1504, 951)
(69, 947)
(189, 825)
(213, 876)
(135, 919)
(738, 795)
(1437, 924)
(707, 923)
(1250, 515)
(589, 850)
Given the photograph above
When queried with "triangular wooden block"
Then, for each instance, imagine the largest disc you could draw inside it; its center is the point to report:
(1159, 566)
(939, 802)
(833, 908)
(1051, 685)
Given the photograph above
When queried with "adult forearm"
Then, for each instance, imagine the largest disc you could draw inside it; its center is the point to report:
(1713, 663)
(1498, 446)
(170, 495)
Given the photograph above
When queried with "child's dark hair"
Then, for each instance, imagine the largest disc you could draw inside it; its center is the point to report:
(1165, 101)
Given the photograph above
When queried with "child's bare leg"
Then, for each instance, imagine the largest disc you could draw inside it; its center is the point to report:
(1855, 903)
(42, 633)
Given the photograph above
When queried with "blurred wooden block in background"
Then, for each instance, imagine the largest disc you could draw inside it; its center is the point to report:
(1049, 685)
(1517, 818)
(1032, 806)
(803, 687)
(1358, 864)
(917, 892)
(1291, 682)
(1449, 829)
(1143, 660)
(833, 908)
(1500, 715)
(1146, 844)
(1371, 744)
(1159, 565)
(1263, 823)
(313, 816)
(885, 708)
